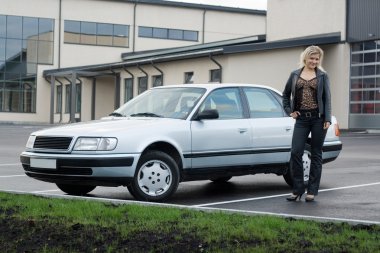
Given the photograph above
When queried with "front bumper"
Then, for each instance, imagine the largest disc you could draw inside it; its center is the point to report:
(107, 170)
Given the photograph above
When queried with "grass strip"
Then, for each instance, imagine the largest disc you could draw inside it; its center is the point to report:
(37, 224)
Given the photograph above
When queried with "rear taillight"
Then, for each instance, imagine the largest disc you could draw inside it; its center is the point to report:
(337, 130)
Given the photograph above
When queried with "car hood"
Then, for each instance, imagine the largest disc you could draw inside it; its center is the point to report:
(110, 126)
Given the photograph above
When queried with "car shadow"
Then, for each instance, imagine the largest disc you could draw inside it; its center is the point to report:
(190, 193)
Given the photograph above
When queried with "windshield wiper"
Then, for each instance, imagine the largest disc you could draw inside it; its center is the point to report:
(116, 114)
(145, 114)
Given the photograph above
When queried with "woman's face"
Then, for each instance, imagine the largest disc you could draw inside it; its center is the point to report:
(312, 61)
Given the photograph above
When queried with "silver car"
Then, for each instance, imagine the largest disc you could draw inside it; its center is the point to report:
(172, 134)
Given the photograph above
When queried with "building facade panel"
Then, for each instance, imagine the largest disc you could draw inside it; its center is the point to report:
(297, 18)
(17, 8)
(224, 26)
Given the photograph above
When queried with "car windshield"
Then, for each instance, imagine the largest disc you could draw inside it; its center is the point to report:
(176, 102)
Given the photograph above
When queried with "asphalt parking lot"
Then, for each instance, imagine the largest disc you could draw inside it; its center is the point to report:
(349, 186)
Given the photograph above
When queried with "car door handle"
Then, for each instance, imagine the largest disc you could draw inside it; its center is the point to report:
(287, 129)
(243, 130)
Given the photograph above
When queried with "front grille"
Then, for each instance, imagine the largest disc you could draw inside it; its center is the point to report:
(57, 143)
(61, 171)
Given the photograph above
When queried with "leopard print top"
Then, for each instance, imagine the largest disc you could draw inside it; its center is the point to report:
(306, 94)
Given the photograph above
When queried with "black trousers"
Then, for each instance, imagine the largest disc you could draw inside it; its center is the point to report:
(303, 126)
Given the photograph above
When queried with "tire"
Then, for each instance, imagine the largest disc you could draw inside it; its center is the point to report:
(131, 191)
(156, 177)
(73, 189)
(306, 161)
(221, 179)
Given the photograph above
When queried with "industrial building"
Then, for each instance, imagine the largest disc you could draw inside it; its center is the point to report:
(76, 60)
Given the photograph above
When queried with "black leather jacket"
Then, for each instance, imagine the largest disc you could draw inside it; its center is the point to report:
(323, 93)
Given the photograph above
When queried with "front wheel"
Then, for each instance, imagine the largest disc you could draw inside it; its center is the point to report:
(156, 177)
(73, 189)
(306, 161)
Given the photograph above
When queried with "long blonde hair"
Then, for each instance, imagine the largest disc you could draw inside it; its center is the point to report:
(309, 51)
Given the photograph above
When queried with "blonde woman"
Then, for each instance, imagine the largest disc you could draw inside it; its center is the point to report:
(306, 98)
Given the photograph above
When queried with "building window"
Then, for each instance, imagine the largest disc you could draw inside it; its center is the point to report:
(67, 98)
(128, 88)
(78, 96)
(215, 75)
(365, 78)
(189, 77)
(100, 34)
(157, 80)
(58, 105)
(25, 42)
(167, 33)
(143, 84)
(78, 102)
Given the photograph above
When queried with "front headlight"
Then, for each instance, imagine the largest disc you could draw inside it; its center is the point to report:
(95, 144)
(30, 142)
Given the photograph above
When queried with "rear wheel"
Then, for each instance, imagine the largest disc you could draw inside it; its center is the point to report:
(73, 189)
(156, 177)
(306, 160)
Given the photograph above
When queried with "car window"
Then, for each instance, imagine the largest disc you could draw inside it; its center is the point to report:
(226, 101)
(163, 102)
(262, 104)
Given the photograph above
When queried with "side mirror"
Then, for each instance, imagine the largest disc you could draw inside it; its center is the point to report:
(207, 114)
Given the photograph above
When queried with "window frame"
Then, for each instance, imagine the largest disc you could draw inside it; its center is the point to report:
(117, 37)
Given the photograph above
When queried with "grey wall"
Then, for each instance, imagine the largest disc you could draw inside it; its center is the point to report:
(363, 20)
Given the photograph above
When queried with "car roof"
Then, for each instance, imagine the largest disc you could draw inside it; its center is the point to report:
(212, 86)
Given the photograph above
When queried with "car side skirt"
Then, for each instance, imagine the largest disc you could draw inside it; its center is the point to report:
(215, 172)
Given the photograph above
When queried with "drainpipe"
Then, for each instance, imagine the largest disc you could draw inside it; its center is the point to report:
(52, 92)
(117, 89)
(60, 114)
(133, 80)
(219, 65)
(159, 70)
(59, 33)
(72, 96)
(134, 27)
(129, 72)
(203, 26)
(52, 86)
(93, 98)
(73, 83)
(146, 74)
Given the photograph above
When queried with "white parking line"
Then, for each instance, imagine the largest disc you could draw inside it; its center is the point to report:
(10, 164)
(12, 176)
(281, 195)
(291, 215)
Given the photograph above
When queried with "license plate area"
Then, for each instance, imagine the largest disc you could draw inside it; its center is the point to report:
(43, 163)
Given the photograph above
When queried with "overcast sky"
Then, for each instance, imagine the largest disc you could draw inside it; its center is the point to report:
(247, 4)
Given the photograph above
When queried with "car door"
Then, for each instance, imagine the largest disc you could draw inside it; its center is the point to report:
(271, 128)
(225, 141)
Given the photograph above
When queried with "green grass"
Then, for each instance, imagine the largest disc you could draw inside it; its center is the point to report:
(37, 224)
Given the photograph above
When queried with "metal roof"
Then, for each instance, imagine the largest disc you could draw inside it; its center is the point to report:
(248, 44)
(196, 6)
(163, 52)
(320, 39)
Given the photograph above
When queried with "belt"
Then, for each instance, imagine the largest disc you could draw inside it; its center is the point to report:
(310, 114)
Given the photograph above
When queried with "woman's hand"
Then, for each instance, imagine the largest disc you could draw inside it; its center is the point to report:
(326, 125)
(295, 114)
